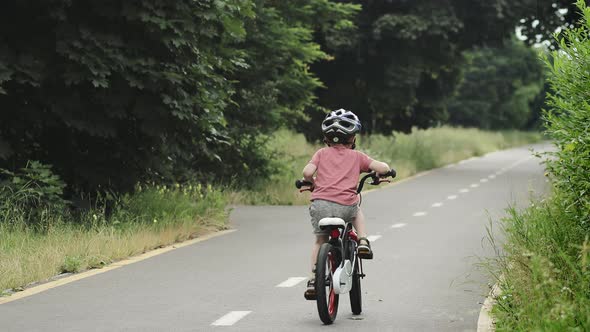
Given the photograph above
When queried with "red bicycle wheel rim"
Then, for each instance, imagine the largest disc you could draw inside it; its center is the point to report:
(332, 296)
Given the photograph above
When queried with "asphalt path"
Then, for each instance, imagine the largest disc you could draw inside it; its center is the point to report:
(429, 237)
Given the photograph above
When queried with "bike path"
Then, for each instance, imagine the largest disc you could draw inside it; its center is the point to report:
(422, 278)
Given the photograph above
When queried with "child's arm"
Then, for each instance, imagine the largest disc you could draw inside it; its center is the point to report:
(379, 167)
(309, 171)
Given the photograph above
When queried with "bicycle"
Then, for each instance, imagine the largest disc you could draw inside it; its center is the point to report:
(338, 260)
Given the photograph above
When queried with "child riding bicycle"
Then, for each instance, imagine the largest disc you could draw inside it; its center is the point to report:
(337, 168)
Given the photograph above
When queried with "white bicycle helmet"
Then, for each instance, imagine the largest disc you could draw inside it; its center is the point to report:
(340, 124)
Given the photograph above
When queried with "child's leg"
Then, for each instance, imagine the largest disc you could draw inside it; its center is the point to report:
(364, 248)
(319, 240)
(359, 223)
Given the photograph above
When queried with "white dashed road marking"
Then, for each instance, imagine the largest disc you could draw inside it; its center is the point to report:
(437, 204)
(291, 282)
(419, 214)
(231, 318)
(452, 197)
(483, 180)
(400, 225)
(373, 238)
(493, 176)
(474, 185)
(464, 190)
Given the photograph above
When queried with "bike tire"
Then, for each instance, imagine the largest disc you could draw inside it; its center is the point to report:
(356, 301)
(327, 299)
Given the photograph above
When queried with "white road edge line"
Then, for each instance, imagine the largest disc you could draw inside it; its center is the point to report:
(373, 238)
(291, 282)
(452, 197)
(419, 214)
(437, 204)
(400, 225)
(230, 318)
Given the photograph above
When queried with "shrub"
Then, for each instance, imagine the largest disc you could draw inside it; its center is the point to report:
(31, 196)
(568, 120)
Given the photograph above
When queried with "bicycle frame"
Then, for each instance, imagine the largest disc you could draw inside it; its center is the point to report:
(345, 241)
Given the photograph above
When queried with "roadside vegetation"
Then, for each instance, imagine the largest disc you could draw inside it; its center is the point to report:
(409, 154)
(41, 235)
(546, 266)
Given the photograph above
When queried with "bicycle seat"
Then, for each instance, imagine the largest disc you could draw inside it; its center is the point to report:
(331, 222)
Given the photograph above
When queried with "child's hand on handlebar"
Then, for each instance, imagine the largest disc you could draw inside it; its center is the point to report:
(391, 173)
(304, 185)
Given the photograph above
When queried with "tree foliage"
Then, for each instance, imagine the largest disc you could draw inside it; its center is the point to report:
(500, 88)
(568, 119)
(99, 88)
(115, 92)
(405, 61)
(541, 19)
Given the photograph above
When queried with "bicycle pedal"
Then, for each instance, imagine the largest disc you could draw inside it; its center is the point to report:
(310, 295)
(365, 254)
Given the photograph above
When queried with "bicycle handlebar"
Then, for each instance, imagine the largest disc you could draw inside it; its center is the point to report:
(376, 180)
(302, 183)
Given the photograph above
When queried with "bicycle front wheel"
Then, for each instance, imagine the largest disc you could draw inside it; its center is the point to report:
(327, 299)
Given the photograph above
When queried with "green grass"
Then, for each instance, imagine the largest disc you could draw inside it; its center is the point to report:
(407, 153)
(546, 271)
(151, 218)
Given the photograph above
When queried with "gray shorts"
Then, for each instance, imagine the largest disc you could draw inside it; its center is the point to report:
(320, 208)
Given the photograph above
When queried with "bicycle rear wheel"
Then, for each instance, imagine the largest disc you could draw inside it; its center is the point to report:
(356, 301)
(327, 299)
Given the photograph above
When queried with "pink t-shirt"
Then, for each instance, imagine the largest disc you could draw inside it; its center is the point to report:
(338, 170)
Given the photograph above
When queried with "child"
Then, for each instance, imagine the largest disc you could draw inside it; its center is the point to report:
(337, 169)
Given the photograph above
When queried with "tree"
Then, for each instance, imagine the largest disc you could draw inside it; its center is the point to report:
(405, 61)
(500, 88)
(166, 91)
(114, 92)
(541, 19)
(275, 85)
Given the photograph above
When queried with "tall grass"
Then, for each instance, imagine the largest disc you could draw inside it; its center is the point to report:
(546, 271)
(150, 218)
(407, 153)
(431, 148)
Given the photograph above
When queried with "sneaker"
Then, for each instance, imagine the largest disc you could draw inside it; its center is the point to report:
(364, 249)
(310, 291)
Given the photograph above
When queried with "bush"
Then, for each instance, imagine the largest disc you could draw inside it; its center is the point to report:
(30, 196)
(568, 119)
(547, 268)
